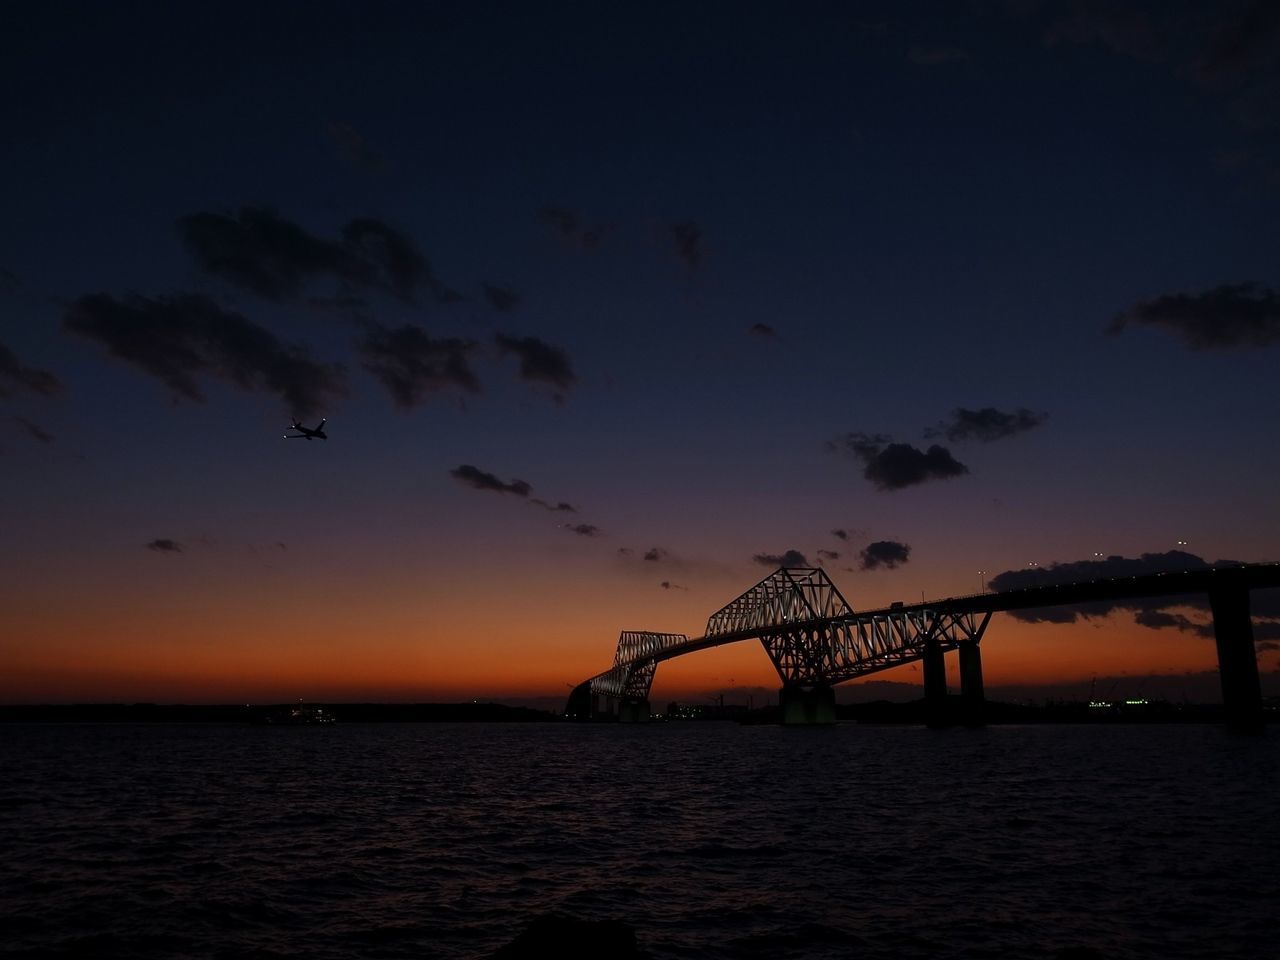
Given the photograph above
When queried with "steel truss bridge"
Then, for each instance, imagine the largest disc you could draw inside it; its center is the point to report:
(816, 640)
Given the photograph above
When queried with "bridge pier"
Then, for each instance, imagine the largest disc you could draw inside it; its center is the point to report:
(801, 707)
(1237, 658)
(935, 684)
(971, 693)
(633, 711)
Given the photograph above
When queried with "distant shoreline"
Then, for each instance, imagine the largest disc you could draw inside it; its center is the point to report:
(270, 713)
(871, 713)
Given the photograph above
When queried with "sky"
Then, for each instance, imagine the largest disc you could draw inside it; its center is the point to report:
(611, 309)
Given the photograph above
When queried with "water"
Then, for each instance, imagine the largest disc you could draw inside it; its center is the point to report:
(711, 840)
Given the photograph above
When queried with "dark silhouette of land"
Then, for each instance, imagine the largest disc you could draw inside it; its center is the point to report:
(279, 713)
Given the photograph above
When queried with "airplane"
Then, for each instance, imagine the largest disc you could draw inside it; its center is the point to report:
(316, 433)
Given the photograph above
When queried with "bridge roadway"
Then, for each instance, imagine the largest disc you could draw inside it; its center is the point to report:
(816, 641)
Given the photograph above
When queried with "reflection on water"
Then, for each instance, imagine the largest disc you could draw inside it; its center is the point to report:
(711, 840)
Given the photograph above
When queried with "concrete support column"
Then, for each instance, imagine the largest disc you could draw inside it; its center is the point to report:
(975, 702)
(1237, 658)
(935, 685)
(633, 711)
(815, 706)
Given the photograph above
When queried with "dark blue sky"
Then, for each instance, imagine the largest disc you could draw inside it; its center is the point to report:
(719, 278)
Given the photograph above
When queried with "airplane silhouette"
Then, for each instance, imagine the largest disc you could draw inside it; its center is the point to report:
(307, 433)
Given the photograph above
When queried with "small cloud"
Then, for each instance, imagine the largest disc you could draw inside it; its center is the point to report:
(274, 258)
(560, 507)
(164, 545)
(180, 338)
(1232, 315)
(478, 479)
(764, 331)
(411, 364)
(539, 361)
(668, 585)
(828, 555)
(1125, 30)
(888, 554)
(986, 425)
(626, 552)
(35, 430)
(894, 466)
(583, 529)
(502, 299)
(840, 534)
(655, 554)
(688, 239)
(33, 379)
(353, 147)
(792, 558)
(570, 227)
(932, 54)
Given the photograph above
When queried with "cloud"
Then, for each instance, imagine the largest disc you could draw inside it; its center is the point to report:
(35, 430)
(763, 330)
(655, 555)
(668, 585)
(560, 507)
(583, 529)
(888, 554)
(275, 258)
(1151, 612)
(478, 479)
(792, 558)
(1126, 31)
(411, 364)
(893, 466)
(539, 360)
(688, 239)
(932, 54)
(164, 545)
(1243, 41)
(828, 555)
(570, 227)
(353, 146)
(986, 425)
(16, 373)
(1232, 315)
(502, 299)
(840, 534)
(180, 338)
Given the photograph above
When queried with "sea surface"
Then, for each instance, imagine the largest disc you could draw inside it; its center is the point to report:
(711, 840)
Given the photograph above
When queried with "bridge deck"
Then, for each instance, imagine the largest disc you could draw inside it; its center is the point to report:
(1171, 583)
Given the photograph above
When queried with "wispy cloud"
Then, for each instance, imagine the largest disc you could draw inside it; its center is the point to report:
(478, 479)
(34, 430)
(411, 364)
(789, 558)
(182, 338)
(894, 466)
(539, 361)
(164, 545)
(886, 554)
(1232, 315)
(13, 372)
(986, 425)
(275, 258)
(687, 236)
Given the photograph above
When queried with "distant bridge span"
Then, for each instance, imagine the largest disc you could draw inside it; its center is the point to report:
(815, 640)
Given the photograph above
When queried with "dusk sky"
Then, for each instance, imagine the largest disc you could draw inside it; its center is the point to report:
(611, 309)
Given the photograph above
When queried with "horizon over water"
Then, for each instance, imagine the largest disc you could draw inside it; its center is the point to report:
(711, 840)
